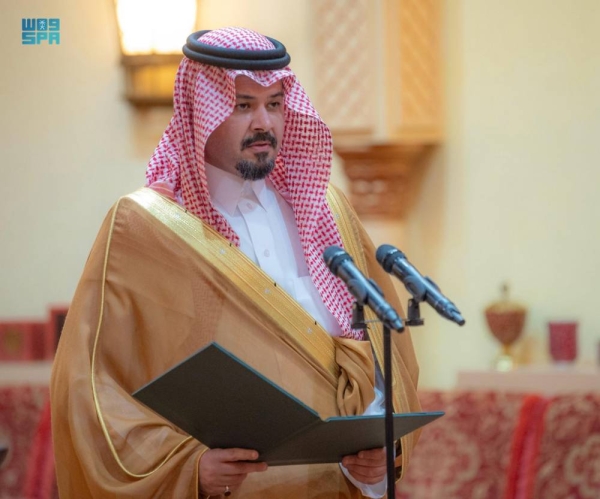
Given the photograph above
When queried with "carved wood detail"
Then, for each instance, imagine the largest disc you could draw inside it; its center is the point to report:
(380, 176)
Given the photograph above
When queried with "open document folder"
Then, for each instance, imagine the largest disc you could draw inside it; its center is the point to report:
(222, 402)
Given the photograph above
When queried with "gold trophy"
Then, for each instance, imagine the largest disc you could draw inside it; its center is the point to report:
(506, 320)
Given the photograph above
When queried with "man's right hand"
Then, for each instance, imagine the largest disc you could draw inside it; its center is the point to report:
(225, 469)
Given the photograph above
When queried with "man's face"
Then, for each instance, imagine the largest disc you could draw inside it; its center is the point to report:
(247, 142)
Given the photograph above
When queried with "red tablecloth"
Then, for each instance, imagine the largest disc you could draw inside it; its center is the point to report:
(20, 412)
(471, 452)
(564, 462)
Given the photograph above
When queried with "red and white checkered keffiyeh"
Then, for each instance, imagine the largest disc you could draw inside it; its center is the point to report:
(204, 97)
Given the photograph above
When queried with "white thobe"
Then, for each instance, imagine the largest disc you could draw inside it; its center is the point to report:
(266, 226)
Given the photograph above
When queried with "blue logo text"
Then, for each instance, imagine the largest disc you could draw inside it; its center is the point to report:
(37, 31)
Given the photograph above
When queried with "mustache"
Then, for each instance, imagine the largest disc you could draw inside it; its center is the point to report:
(260, 137)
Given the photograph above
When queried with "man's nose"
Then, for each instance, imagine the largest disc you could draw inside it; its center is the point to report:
(261, 120)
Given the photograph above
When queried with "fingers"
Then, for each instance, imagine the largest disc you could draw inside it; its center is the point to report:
(235, 454)
(373, 457)
(220, 468)
(376, 455)
(235, 461)
(233, 481)
(368, 466)
(367, 474)
(229, 469)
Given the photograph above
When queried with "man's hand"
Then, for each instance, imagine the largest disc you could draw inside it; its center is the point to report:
(368, 466)
(221, 469)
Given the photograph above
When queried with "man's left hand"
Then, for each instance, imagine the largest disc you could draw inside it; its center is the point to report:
(368, 466)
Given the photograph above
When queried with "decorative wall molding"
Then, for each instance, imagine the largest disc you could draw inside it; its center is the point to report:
(380, 176)
(379, 89)
(413, 69)
(343, 69)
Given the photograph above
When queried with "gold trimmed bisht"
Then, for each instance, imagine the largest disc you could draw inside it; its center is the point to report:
(158, 285)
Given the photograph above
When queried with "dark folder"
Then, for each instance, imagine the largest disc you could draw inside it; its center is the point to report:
(222, 402)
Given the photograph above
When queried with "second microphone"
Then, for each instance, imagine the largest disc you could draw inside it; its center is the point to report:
(366, 293)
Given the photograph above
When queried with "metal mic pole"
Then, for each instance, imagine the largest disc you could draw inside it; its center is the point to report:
(389, 410)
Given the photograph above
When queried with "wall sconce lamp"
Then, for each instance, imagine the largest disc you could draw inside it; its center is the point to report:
(151, 34)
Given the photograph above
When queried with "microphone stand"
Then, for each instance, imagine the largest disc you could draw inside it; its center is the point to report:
(414, 319)
(418, 291)
(389, 411)
(358, 322)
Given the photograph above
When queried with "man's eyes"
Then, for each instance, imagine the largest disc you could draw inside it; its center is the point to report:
(244, 106)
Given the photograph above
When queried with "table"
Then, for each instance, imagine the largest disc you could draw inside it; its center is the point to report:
(25, 373)
(545, 380)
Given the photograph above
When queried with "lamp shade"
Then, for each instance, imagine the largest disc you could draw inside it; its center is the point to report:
(154, 26)
(151, 34)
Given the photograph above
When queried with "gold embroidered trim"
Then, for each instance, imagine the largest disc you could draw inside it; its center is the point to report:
(351, 238)
(302, 330)
(93, 376)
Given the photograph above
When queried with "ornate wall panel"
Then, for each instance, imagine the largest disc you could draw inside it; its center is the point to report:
(412, 68)
(377, 66)
(343, 67)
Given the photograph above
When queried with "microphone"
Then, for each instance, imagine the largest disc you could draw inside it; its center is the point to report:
(364, 290)
(422, 288)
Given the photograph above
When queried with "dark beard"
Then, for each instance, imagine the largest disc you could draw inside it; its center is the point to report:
(256, 170)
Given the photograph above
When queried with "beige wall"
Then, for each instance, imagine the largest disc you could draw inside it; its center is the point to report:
(68, 149)
(509, 197)
(514, 194)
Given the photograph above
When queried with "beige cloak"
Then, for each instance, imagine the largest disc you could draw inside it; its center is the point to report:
(158, 285)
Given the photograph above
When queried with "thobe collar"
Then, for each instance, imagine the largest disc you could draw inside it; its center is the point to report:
(227, 189)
